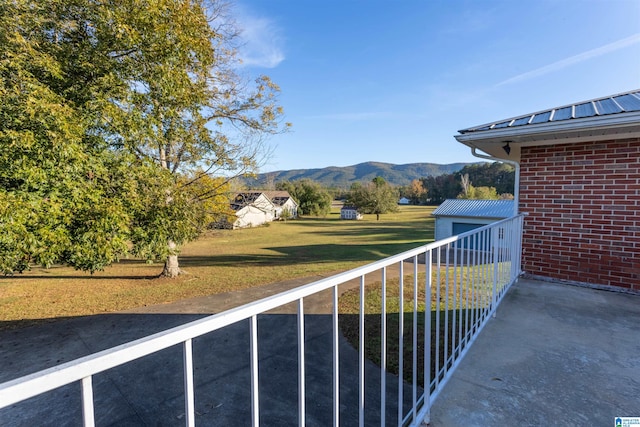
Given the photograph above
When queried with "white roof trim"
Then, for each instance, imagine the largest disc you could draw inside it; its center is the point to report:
(583, 124)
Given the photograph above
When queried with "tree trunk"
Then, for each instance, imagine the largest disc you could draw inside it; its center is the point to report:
(171, 266)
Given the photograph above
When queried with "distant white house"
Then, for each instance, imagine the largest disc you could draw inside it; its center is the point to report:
(404, 201)
(283, 202)
(252, 209)
(350, 212)
(456, 216)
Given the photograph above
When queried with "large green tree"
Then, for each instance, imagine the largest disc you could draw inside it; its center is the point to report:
(312, 198)
(376, 197)
(116, 115)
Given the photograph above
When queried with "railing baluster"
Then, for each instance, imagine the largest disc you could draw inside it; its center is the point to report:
(446, 310)
(427, 331)
(472, 276)
(400, 342)
(361, 355)
(336, 359)
(512, 250)
(438, 307)
(301, 363)
(454, 308)
(87, 402)
(495, 254)
(485, 277)
(255, 403)
(415, 337)
(461, 303)
(468, 297)
(477, 276)
(189, 395)
(383, 350)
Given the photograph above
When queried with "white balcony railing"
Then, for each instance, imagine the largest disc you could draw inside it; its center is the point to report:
(434, 299)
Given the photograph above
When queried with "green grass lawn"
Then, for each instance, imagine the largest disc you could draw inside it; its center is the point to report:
(448, 303)
(220, 261)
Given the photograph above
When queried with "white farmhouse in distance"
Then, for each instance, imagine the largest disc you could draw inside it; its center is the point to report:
(252, 209)
(283, 201)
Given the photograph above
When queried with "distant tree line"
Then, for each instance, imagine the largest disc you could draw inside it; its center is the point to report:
(476, 181)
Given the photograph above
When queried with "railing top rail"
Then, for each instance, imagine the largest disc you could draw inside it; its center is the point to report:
(37, 383)
(444, 242)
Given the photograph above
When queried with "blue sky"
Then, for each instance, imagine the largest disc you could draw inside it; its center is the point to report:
(393, 81)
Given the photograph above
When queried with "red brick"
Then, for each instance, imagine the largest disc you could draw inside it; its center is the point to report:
(584, 206)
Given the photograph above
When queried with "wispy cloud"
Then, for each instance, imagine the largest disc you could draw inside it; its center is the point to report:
(584, 56)
(262, 41)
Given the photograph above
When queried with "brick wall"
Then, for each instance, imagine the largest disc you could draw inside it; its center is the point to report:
(583, 202)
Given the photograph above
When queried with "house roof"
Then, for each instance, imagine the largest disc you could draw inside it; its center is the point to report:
(607, 118)
(614, 104)
(475, 208)
(279, 198)
(240, 200)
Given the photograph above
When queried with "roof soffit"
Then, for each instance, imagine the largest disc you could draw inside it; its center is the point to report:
(596, 128)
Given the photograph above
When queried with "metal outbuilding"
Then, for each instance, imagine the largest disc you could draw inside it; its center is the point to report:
(456, 216)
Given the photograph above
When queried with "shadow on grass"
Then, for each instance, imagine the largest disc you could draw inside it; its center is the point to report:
(394, 230)
(447, 337)
(95, 276)
(302, 254)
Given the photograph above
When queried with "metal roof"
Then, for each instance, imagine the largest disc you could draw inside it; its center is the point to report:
(614, 104)
(475, 208)
(279, 198)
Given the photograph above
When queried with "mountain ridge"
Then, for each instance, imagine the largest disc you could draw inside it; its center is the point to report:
(344, 176)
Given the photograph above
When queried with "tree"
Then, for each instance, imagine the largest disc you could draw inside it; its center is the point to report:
(442, 187)
(311, 197)
(61, 195)
(416, 192)
(471, 192)
(129, 108)
(376, 197)
(448, 186)
(495, 174)
(467, 188)
(481, 193)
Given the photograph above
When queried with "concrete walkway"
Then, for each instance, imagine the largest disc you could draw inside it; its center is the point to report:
(555, 355)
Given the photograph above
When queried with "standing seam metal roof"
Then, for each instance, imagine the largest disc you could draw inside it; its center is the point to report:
(613, 104)
(475, 208)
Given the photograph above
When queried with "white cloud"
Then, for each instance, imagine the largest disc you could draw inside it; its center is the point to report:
(261, 41)
(584, 56)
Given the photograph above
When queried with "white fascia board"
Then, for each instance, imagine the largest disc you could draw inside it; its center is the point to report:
(598, 123)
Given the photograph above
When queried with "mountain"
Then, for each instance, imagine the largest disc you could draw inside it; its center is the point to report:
(343, 177)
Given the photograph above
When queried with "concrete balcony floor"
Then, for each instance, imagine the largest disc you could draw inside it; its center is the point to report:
(554, 355)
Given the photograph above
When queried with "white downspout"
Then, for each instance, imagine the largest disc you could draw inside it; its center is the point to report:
(516, 184)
